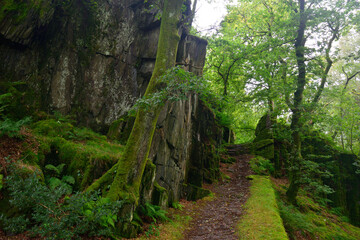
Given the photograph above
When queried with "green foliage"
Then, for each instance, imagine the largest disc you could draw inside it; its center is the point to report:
(179, 84)
(56, 171)
(153, 230)
(54, 180)
(154, 6)
(154, 212)
(261, 166)
(177, 205)
(12, 128)
(5, 100)
(312, 178)
(45, 212)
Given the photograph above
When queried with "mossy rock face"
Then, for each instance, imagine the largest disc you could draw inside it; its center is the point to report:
(345, 182)
(264, 129)
(22, 18)
(87, 155)
(147, 183)
(194, 192)
(263, 144)
(264, 148)
(120, 129)
(160, 196)
(52, 128)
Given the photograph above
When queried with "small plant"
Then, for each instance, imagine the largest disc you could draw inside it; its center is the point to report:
(261, 166)
(152, 231)
(55, 182)
(12, 128)
(177, 205)
(154, 212)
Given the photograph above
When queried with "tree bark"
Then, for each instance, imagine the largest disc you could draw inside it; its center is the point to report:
(296, 121)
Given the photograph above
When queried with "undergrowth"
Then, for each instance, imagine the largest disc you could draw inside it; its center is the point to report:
(312, 220)
(51, 213)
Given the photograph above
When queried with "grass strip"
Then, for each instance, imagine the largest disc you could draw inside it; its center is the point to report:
(262, 219)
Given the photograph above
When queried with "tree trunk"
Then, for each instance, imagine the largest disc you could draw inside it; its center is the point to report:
(296, 121)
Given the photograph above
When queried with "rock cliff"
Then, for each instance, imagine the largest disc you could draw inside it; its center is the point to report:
(93, 59)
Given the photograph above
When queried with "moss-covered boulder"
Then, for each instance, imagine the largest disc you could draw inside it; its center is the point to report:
(194, 192)
(263, 144)
(264, 128)
(264, 148)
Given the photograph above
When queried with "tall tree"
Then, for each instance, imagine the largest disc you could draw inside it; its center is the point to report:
(281, 53)
(296, 123)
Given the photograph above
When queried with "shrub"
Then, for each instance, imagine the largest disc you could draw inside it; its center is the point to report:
(47, 213)
(12, 128)
(261, 166)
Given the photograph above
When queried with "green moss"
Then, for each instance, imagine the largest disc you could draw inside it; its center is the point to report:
(147, 182)
(87, 155)
(26, 170)
(159, 196)
(264, 148)
(262, 219)
(18, 10)
(194, 192)
(120, 129)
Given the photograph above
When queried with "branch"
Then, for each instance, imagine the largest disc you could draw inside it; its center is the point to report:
(329, 63)
(347, 77)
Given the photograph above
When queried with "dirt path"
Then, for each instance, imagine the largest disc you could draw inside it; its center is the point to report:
(217, 219)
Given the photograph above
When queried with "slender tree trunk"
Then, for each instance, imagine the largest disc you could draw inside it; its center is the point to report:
(296, 121)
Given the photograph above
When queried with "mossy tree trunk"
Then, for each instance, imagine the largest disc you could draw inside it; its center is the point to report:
(130, 167)
(297, 109)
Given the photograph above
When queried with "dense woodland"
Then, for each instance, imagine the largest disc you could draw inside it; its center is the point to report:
(112, 119)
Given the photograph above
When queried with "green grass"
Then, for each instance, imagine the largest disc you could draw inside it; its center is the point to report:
(262, 219)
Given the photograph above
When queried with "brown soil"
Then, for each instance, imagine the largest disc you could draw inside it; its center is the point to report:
(11, 149)
(217, 219)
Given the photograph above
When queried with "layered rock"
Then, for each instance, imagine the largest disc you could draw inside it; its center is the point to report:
(93, 60)
(90, 60)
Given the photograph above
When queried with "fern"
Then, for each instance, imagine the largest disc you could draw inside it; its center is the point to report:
(52, 168)
(68, 179)
(54, 183)
(12, 128)
(154, 212)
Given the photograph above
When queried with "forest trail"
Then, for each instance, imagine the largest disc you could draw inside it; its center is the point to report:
(218, 218)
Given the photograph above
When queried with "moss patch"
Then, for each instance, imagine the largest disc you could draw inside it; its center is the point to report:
(18, 10)
(264, 148)
(262, 219)
(87, 155)
(310, 220)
